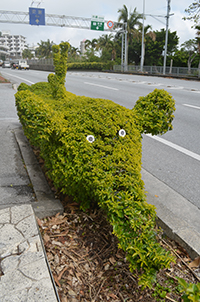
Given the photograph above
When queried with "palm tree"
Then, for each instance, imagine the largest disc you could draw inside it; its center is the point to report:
(147, 34)
(104, 41)
(90, 44)
(44, 49)
(107, 42)
(132, 20)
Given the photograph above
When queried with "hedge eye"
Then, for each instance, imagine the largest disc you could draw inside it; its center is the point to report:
(90, 138)
(122, 132)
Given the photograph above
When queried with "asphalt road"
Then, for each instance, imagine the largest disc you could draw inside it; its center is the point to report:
(173, 158)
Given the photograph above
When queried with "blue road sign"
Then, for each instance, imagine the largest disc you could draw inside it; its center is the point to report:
(36, 16)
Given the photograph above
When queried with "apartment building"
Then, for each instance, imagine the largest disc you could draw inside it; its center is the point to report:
(15, 44)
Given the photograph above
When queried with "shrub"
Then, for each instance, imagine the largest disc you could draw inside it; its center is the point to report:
(92, 151)
(90, 65)
(191, 292)
(155, 112)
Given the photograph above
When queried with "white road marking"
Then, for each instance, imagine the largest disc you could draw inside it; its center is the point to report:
(196, 107)
(101, 86)
(176, 147)
(176, 87)
(19, 77)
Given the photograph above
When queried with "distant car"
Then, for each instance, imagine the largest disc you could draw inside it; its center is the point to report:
(14, 65)
(1, 62)
(6, 64)
(22, 64)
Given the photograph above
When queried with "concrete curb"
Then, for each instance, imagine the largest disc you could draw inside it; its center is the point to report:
(46, 204)
(178, 217)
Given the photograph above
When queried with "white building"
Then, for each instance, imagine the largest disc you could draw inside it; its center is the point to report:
(82, 47)
(15, 44)
(3, 51)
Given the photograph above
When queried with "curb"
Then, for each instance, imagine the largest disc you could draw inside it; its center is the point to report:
(46, 204)
(177, 216)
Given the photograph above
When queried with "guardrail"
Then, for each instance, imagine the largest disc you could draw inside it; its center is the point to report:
(176, 71)
(47, 65)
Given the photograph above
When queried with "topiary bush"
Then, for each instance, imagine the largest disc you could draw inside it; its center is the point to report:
(92, 151)
(155, 112)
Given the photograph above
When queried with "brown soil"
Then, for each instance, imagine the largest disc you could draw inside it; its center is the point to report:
(87, 264)
(2, 80)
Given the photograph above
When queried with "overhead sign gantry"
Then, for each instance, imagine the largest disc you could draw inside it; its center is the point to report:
(54, 20)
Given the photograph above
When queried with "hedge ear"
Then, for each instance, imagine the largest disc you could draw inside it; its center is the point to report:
(154, 112)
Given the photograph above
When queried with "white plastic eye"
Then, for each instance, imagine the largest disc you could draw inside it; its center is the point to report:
(122, 132)
(90, 138)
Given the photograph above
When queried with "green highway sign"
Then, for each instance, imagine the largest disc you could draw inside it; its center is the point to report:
(97, 23)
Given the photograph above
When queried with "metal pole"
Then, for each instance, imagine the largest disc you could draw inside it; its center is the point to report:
(142, 52)
(122, 53)
(126, 49)
(166, 36)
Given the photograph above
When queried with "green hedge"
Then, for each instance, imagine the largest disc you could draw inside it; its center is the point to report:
(90, 66)
(88, 157)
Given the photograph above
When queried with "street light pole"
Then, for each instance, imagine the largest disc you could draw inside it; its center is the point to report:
(166, 36)
(126, 48)
(142, 51)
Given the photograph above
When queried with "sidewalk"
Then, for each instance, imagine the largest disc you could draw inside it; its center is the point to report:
(24, 270)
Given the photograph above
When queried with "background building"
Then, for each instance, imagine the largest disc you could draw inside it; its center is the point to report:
(82, 47)
(15, 44)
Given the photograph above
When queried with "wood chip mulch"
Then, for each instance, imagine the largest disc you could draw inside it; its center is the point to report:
(87, 264)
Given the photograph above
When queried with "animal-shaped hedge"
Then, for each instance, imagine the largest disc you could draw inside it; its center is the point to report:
(92, 151)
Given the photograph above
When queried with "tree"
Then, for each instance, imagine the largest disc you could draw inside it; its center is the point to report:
(194, 12)
(154, 49)
(91, 44)
(109, 47)
(180, 58)
(73, 54)
(91, 48)
(148, 35)
(191, 48)
(27, 54)
(132, 21)
(198, 37)
(44, 49)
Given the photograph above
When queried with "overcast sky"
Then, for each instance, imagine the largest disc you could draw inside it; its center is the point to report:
(87, 8)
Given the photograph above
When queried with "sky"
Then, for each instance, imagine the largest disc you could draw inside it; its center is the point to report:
(106, 8)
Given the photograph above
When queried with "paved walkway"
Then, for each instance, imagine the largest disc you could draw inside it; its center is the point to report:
(26, 276)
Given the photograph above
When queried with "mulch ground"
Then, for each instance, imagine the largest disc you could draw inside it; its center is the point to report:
(88, 266)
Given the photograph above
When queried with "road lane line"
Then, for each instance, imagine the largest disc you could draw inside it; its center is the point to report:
(176, 147)
(196, 107)
(100, 86)
(19, 77)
